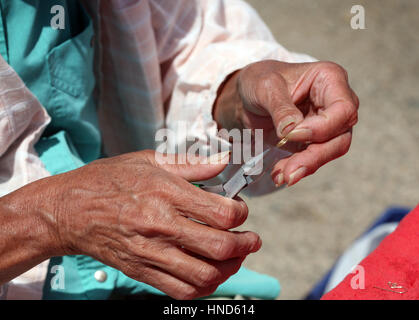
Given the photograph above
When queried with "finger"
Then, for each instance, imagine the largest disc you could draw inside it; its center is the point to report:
(193, 202)
(268, 90)
(336, 103)
(306, 162)
(173, 286)
(338, 118)
(197, 270)
(212, 209)
(215, 244)
(192, 167)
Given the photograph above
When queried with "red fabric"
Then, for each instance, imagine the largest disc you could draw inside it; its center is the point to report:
(395, 262)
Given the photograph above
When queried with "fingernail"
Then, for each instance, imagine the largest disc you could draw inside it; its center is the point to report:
(286, 126)
(279, 180)
(296, 176)
(222, 157)
(300, 134)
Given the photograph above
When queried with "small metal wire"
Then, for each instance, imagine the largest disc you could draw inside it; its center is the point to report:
(393, 285)
(282, 142)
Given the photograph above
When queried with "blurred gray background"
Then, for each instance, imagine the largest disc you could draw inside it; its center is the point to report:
(306, 227)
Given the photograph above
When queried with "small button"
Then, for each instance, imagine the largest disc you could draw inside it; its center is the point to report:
(101, 276)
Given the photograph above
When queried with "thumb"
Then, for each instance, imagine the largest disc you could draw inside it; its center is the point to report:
(285, 114)
(192, 167)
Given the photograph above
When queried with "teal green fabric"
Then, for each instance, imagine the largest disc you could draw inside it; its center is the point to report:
(245, 282)
(80, 283)
(57, 66)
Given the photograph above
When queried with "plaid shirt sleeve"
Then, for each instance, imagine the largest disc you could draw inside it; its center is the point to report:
(199, 44)
(22, 120)
(162, 62)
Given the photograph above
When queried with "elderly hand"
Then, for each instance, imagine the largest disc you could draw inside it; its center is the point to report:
(309, 103)
(132, 213)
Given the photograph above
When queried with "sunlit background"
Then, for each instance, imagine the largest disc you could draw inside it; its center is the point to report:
(306, 227)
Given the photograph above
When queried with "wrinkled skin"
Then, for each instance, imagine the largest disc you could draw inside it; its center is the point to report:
(310, 103)
(141, 217)
(133, 214)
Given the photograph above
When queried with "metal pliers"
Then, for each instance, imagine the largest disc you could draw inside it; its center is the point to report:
(248, 173)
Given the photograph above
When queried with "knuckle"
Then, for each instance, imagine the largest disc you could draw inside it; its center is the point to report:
(207, 275)
(223, 248)
(156, 223)
(269, 81)
(149, 226)
(227, 216)
(232, 214)
(316, 160)
(334, 68)
(349, 110)
(284, 110)
(271, 78)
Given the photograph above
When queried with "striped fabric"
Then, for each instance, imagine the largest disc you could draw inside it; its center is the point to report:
(158, 63)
